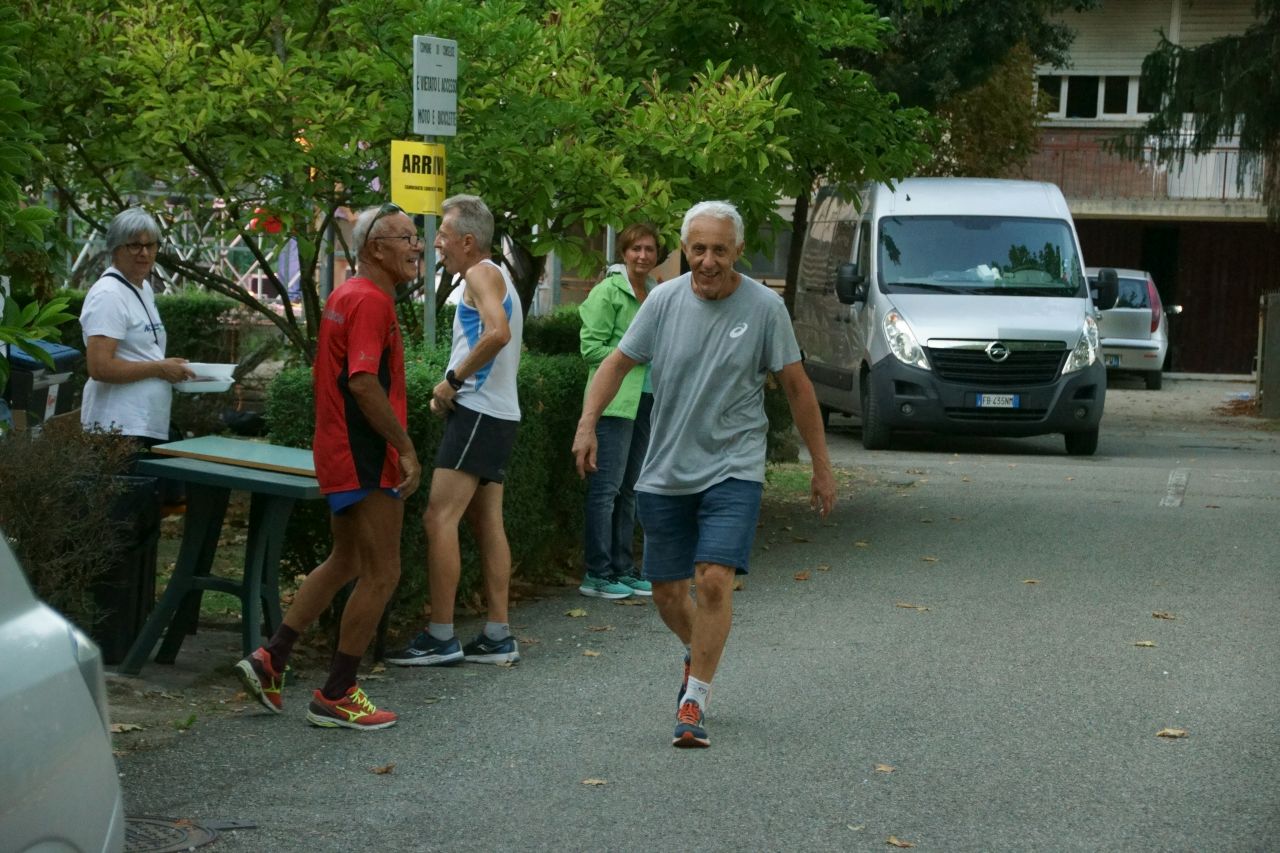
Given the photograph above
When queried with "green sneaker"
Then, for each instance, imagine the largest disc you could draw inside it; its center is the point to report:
(594, 587)
(637, 585)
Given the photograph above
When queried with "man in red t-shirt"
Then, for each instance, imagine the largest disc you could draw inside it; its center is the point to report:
(366, 466)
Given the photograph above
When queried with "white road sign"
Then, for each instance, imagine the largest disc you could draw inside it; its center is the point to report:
(435, 86)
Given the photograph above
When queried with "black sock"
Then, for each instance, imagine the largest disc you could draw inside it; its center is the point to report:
(280, 646)
(342, 675)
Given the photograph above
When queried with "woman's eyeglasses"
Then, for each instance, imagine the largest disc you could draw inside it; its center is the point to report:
(142, 248)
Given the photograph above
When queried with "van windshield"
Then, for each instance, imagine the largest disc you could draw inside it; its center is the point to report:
(987, 255)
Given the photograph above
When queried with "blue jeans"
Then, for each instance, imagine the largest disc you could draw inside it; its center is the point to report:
(611, 497)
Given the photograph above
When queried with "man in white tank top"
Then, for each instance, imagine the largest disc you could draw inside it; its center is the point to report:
(478, 399)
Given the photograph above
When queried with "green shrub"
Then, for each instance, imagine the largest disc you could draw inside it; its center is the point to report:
(57, 509)
(556, 333)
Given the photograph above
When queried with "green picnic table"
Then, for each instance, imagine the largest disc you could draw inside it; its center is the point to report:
(212, 467)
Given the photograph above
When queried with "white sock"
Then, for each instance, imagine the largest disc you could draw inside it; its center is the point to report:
(497, 630)
(440, 630)
(698, 691)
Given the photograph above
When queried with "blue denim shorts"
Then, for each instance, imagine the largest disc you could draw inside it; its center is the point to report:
(716, 525)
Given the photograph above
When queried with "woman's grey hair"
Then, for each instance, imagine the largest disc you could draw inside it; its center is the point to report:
(470, 216)
(716, 210)
(128, 224)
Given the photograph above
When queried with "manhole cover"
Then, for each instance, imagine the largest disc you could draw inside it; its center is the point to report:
(162, 835)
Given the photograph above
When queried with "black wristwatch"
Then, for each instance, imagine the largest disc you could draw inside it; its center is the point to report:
(452, 378)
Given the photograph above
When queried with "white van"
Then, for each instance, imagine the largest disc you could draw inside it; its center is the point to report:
(954, 305)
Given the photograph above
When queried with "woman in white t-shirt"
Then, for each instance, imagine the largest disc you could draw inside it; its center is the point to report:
(130, 379)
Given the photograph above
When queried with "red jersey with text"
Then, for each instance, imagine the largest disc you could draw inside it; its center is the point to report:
(358, 334)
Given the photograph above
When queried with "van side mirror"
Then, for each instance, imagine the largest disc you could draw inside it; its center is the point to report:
(1108, 289)
(851, 284)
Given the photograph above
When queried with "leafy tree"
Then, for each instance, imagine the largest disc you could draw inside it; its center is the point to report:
(19, 326)
(18, 144)
(993, 125)
(940, 50)
(573, 115)
(1225, 89)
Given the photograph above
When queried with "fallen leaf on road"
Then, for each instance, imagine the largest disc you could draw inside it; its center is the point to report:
(1145, 644)
(599, 628)
(1069, 479)
(1172, 733)
(1212, 506)
(799, 538)
(590, 653)
(633, 601)
(379, 667)
(120, 728)
(383, 770)
(895, 841)
(823, 567)
(861, 543)
(965, 480)
(1163, 614)
(957, 518)
(577, 612)
(594, 782)
(926, 521)
(929, 559)
(919, 608)
(885, 768)
(1031, 580)
(802, 576)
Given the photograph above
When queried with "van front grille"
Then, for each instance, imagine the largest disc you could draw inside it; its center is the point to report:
(975, 367)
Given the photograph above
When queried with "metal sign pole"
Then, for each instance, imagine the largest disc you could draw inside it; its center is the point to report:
(435, 111)
(429, 270)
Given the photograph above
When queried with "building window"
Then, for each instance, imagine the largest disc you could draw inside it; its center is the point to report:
(1115, 95)
(1146, 102)
(1082, 97)
(1049, 93)
(1092, 96)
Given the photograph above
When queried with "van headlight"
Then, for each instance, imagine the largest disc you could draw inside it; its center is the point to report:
(902, 341)
(1086, 351)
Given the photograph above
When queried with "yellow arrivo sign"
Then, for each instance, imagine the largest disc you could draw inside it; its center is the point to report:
(417, 176)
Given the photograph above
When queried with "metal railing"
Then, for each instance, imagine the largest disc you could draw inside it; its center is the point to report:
(196, 231)
(1084, 169)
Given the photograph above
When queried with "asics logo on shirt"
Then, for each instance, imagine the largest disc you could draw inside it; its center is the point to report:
(738, 330)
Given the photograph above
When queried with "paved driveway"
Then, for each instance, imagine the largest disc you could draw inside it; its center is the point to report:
(976, 652)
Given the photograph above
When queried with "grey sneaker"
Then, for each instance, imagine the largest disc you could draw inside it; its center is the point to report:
(594, 587)
(484, 650)
(426, 650)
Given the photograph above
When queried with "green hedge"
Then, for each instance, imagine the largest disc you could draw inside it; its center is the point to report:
(544, 534)
(198, 323)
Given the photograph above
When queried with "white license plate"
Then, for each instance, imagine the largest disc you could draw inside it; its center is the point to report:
(999, 401)
(1111, 360)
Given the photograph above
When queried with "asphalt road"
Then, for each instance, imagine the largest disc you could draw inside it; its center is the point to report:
(951, 659)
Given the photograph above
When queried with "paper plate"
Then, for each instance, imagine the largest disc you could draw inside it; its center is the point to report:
(204, 386)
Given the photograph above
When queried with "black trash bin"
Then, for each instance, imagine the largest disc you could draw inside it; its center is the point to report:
(35, 389)
(126, 593)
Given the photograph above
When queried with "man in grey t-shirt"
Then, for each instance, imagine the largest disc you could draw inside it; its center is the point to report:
(711, 337)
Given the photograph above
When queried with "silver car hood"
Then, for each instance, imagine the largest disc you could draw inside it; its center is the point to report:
(1025, 318)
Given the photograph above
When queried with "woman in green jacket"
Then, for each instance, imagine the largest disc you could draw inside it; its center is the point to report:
(623, 431)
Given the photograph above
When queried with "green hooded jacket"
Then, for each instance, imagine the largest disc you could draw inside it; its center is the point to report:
(606, 314)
